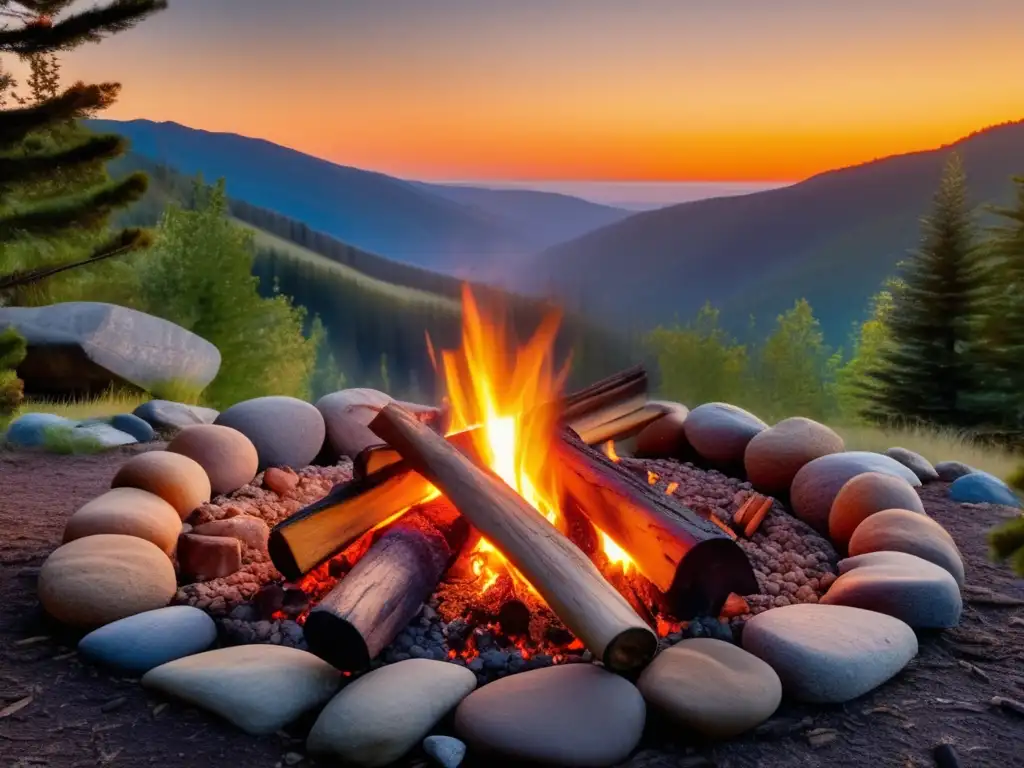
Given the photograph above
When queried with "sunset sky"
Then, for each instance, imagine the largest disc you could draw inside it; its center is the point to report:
(659, 90)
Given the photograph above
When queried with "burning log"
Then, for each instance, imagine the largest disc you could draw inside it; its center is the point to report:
(613, 408)
(694, 563)
(569, 582)
(383, 592)
(385, 487)
(321, 530)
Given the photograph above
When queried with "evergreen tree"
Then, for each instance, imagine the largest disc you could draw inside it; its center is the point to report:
(40, 147)
(928, 370)
(1004, 327)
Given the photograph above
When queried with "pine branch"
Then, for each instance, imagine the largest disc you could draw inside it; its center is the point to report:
(89, 26)
(77, 101)
(126, 241)
(16, 170)
(80, 211)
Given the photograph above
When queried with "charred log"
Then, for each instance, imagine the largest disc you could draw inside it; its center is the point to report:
(691, 560)
(385, 589)
(564, 577)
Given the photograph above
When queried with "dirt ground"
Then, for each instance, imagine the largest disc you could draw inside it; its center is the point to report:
(57, 711)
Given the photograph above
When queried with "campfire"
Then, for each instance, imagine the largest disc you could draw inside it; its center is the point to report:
(516, 511)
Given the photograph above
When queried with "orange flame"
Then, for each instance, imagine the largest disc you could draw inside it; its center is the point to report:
(609, 450)
(494, 387)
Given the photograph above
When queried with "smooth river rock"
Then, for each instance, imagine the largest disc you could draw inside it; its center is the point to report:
(258, 688)
(381, 716)
(228, 456)
(915, 591)
(84, 347)
(286, 431)
(816, 485)
(897, 530)
(445, 751)
(773, 457)
(177, 479)
(100, 433)
(569, 715)
(865, 495)
(167, 415)
(348, 412)
(666, 437)
(948, 471)
(130, 512)
(915, 462)
(98, 579)
(983, 488)
(711, 687)
(31, 429)
(138, 643)
(132, 425)
(720, 432)
(829, 654)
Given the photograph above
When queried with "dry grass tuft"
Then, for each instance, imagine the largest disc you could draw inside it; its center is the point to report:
(935, 445)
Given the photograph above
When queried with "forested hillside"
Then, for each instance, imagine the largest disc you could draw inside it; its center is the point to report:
(832, 239)
(375, 312)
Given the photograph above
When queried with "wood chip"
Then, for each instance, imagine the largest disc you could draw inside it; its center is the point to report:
(32, 641)
(17, 706)
(159, 708)
(975, 670)
(1010, 705)
(821, 737)
(113, 704)
(65, 656)
(756, 518)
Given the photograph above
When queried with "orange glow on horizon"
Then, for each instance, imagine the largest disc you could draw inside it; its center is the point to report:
(580, 89)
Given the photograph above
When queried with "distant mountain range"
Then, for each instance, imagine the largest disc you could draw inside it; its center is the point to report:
(832, 239)
(469, 231)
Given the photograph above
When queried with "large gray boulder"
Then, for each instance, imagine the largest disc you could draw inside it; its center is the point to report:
(84, 347)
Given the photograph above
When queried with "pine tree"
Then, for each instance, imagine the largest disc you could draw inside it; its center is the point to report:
(1004, 329)
(39, 144)
(928, 370)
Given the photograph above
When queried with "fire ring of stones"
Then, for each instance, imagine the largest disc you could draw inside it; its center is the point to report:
(215, 542)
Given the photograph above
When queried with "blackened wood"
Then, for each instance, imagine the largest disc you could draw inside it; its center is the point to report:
(563, 576)
(357, 619)
(692, 561)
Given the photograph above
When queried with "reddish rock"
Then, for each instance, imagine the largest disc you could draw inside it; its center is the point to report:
(251, 531)
(280, 481)
(735, 605)
(202, 558)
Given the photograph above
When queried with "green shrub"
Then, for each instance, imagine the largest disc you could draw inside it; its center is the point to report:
(1007, 543)
(12, 351)
(1016, 478)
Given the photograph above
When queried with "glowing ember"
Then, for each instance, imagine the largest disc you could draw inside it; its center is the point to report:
(651, 478)
(609, 449)
(671, 488)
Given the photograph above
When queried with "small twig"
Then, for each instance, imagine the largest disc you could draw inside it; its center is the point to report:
(975, 670)
(1011, 705)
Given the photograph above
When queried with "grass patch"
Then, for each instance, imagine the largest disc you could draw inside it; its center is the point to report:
(63, 440)
(108, 404)
(935, 445)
